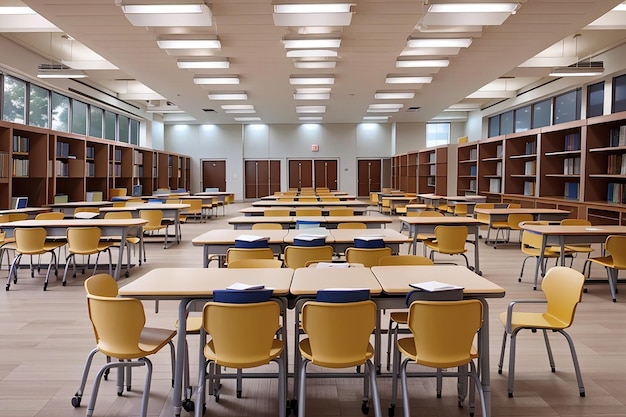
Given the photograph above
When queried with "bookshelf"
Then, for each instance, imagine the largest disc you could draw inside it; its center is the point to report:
(412, 159)
(68, 166)
(467, 171)
(97, 160)
(28, 173)
(520, 163)
(433, 171)
(490, 167)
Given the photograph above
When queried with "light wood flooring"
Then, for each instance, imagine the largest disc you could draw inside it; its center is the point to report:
(45, 337)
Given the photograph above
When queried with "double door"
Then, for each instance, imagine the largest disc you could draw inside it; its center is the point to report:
(304, 173)
(262, 177)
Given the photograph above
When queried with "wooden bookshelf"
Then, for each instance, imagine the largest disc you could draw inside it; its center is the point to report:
(28, 175)
(490, 166)
(433, 171)
(97, 161)
(69, 168)
(520, 165)
(467, 168)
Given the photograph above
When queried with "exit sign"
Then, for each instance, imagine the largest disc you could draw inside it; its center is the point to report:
(315, 148)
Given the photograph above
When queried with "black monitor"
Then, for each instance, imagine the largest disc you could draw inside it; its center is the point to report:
(137, 190)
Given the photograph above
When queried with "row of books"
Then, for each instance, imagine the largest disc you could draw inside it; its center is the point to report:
(529, 188)
(499, 168)
(571, 166)
(90, 152)
(430, 181)
(4, 165)
(530, 148)
(91, 169)
(617, 164)
(472, 185)
(498, 151)
(616, 193)
(137, 171)
(473, 170)
(495, 185)
(618, 136)
(572, 142)
(137, 157)
(62, 169)
(21, 143)
(530, 167)
(433, 170)
(571, 191)
(473, 154)
(63, 149)
(115, 170)
(117, 155)
(20, 167)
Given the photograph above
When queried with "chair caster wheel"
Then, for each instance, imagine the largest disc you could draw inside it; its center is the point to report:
(45, 286)
(582, 394)
(510, 395)
(119, 394)
(293, 404)
(460, 405)
(7, 287)
(438, 395)
(519, 280)
(76, 401)
(64, 283)
(106, 375)
(365, 408)
(392, 410)
(585, 290)
(238, 394)
(128, 388)
(126, 274)
(553, 369)
(499, 371)
(188, 405)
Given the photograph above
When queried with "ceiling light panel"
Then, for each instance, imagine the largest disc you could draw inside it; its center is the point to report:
(472, 8)
(481, 14)
(401, 79)
(311, 43)
(373, 110)
(439, 43)
(188, 42)
(310, 109)
(237, 107)
(203, 63)
(314, 64)
(161, 15)
(394, 95)
(422, 63)
(311, 53)
(386, 106)
(216, 80)
(376, 118)
(310, 118)
(238, 95)
(332, 14)
(430, 52)
(247, 119)
(321, 80)
(311, 96)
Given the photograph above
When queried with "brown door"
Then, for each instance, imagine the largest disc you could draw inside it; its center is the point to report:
(300, 173)
(368, 176)
(261, 178)
(326, 174)
(214, 175)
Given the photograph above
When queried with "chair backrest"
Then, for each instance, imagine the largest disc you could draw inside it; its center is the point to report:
(374, 198)
(117, 323)
(103, 285)
(460, 209)
(339, 333)
(429, 213)
(170, 201)
(444, 331)
(515, 219)
(51, 215)
(255, 263)
(575, 222)
(297, 256)
(154, 217)
(14, 217)
(404, 260)
(83, 239)
(119, 203)
(30, 240)
(563, 288)
(451, 239)
(276, 212)
(341, 211)
(351, 225)
(118, 215)
(117, 192)
(331, 199)
(616, 246)
(267, 226)
(195, 205)
(234, 254)
(309, 211)
(4, 218)
(531, 240)
(367, 257)
(308, 199)
(241, 333)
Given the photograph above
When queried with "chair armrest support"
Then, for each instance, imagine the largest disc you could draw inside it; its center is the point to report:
(509, 311)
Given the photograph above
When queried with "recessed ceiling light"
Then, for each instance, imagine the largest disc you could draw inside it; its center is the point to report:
(312, 90)
(577, 71)
(237, 107)
(294, 15)
(311, 80)
(216, 80)
(313, 8)
(439, 43)
(311, 96)
(247, 119)
(430, 52)
(386, 106)
(203, 63)
(422, 63)
(314, 64)
(310, 109)
(311, 43)
(161, 8)
(311, 53)
(310, 118)
(240, 111)
(473, 8)
(370, 110)
(407, 80)
(376, 118)
(188, 43)
(394, 95)
(159, 15)
(228, 96)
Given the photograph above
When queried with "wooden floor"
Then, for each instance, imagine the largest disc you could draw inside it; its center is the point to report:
(45, 337)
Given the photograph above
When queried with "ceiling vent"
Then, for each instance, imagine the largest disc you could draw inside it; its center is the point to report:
(413, 109)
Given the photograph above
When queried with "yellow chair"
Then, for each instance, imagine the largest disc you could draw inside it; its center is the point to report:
(385, 206)
(50, 215)
(119, 324)
(514, 205)
(85, 241)
(581, 248)
(308, 199)
(243, 336)
(330, 199)
(614, 261)
(119, 204)
(309, 211)
(374, 199)
(512, 223)
(267, 226)
(195, 209)
(298, 256)
(117, 192)
(396, 318)
(32, 241)
(442, 337)
(338, 335)
(276, 212)
(449, 240)
(15, 217)
(460, 209)
(351, 225)
(341, 211)
(155, 223)
(235, 254)
(531, 247)
(563, 289)
(256, 263)
(366, 257)
(131, 239)
(422, 237)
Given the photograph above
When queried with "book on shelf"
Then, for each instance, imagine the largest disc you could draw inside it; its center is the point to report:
(571, 191)
(63, 149)
(618, 136)
(499, 168)
(473, 170)
(530, 167)
(572, 142)
(530, 148)
(616, 164)
(91, 169)
(431, 157)
(21, 144)
(473, 154)
(498, 151)
(117, 155)
(430, 181)
(4, 165)
(571, 166)
(615, 193)
(472, 185)
(529, 188)
(433, 170)
(90, 152)
(495, 185)
(137, 157)
(20, 167)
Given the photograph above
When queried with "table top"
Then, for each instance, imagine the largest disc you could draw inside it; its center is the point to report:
(228, 236)
(528, 210)
(449, 220)
(75, 204)
(461, 198)
(27, 210)
(177, 283)
(75, 223)
(307, 281)
(261, 210)
(388, 235)
(395, 280)
(146, 206)
(211, 193)
(320, 219)
(575, 230)
(347, 203)
(398, 198)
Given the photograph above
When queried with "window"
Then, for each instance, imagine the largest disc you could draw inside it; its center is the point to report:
(123, 128)
(494, 126)
(109, 125)
(541, 114)
(437, 134)
(506, 123)
(567, 107)
(595, 100)
(60, 112)
(79, 117)
(39, 107)
(134, 132)
(522, 119)
(14, 100)
(619, 94)
(95, 122)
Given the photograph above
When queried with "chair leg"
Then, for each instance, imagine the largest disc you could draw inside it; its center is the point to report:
(511, 379)
(52, 262)
(612, 277)
(579, 377)
(502, 350)
(13, 270)
(371, 375)
(405, 389)
(549, 350)
(83, 380)
(302, 388)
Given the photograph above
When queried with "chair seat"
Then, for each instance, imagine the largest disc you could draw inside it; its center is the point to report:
(305, 350)
(152, 339)
(275, 351)
(425, 236)
(401, 317)
(579, 249)
(603, 260)
(407, 347)
(529, 320)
